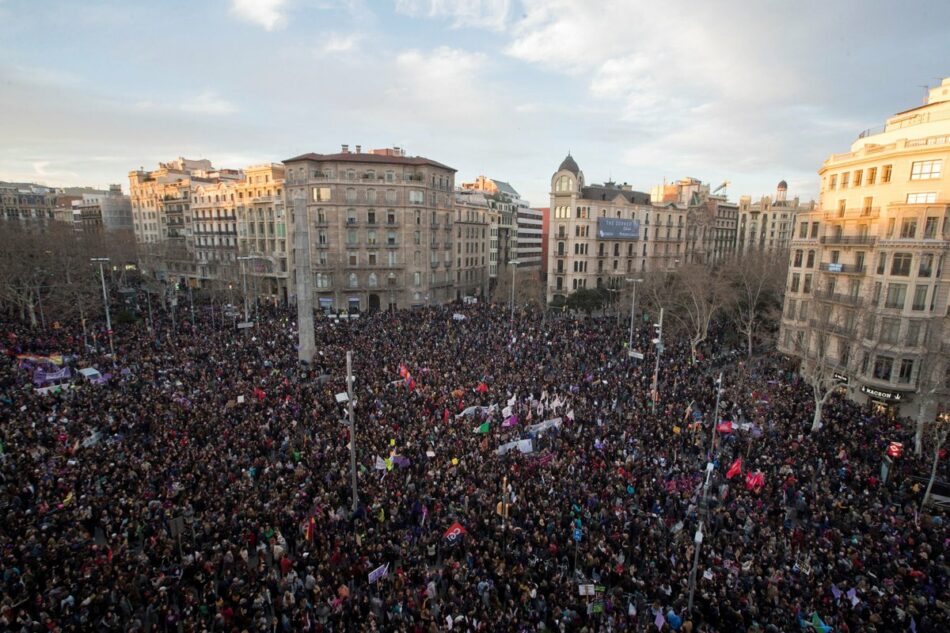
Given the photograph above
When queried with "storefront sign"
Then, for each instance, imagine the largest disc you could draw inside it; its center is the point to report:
(882, 395)
(840, 377)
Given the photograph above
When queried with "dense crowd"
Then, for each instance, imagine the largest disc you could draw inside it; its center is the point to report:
(209, 488)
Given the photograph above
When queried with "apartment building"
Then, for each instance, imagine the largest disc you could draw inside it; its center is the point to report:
(162, 217)
(381, 227)
(474, 219)
(867, 288)
(766, 225)
(602, 233)
(108, 210)
(530, 227)
(508, 206)
(27, 202)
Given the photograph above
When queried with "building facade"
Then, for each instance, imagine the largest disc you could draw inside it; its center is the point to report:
(27, 202)
(867, 288)
(381, 227)
(602, 233)
(473, 223)
(109, 210)
(767, 224)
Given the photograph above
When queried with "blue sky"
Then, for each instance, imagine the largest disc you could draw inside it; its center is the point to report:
(751, 92)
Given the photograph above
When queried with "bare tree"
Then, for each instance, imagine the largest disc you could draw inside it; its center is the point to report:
(941, 429)
(755, 282)
(932, 367)
(824, 355)
(697, 295)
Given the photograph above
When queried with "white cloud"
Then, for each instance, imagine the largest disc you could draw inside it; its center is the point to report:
(266, 13)
(445, 83)
(339, 43)
(209, 103)
(490, 14)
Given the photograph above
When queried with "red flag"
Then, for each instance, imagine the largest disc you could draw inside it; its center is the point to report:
(895, 449)
(735, 469)
(754, 481)
(725, 427)
(311, 528)
(403, 371)
(481, 388)
(259, 393)
(412, 383)
(454, 533)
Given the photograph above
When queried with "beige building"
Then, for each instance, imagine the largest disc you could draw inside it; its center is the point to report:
(382, 227)
(867, 286)
(108, 210)
(600, 234)
(162, 217)
(766, 225)
(474, 221)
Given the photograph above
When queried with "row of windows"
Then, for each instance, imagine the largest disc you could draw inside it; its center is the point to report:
(919, 170)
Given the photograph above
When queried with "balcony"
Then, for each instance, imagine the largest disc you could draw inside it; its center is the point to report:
(844, 269)
(835, 328)
(853, 240)
(434, 264)
(372, 244)
(392, 244)
(392, 224)
(859, 213)
(322, 245)
(843, 299)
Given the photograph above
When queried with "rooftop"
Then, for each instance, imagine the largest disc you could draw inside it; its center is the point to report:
(369, 159)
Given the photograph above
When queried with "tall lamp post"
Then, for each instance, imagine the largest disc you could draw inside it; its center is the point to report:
(105, 303)
(514, 266)
(633, 310)
(244, 282)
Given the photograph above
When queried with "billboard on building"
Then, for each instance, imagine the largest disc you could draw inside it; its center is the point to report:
(618, 229)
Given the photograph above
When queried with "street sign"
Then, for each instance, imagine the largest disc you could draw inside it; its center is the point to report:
(637, 355)
(578, 534)
(244, 325)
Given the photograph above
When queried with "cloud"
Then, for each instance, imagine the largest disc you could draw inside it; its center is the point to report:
(266, 13)
(339, 43)
(490, 14)
(208, 103)
(444, 83)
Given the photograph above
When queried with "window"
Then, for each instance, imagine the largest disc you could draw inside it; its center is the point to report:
(790, 305)
(866, 207)
(886, 173)
(890, 227)
(926, 265)
(798, 259)
(858, 175)
(353, 258)
(351, 195)
(882, 367)
(371, 196)
(922, 198)
(909, 228)
(353, 281)
(842, 205)
(417, 279)
(907, 368)
(920, 298)
(390, 195)
(930, 228)
(803, 230)
(845, 177)
(806, 287)
(833, 181)
(796, 280)
(872, 175)
(323, 280)
(889, 330)
(351, 237)
(321, 194)
(876, 296)
(896, 294)
(391, 238)
(416, 197)
(900, 264)
(811, 260)
(925, 170)
(373, 280)
(913, 333)
(814, 229)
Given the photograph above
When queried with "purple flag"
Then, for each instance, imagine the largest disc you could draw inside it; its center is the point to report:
(659, 621)
(836, 592)
(512, 421)
(401, 461)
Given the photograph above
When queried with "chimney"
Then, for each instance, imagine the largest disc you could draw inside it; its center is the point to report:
(345, 149)
(358, 147)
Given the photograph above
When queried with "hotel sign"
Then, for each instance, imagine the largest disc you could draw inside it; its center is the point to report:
(840, 377)
(618, 229)
(882, 395)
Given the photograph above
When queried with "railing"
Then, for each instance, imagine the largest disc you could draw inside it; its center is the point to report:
(853, 213)
(836, 297)
(835, 328)
(847, 269)
(848, 239)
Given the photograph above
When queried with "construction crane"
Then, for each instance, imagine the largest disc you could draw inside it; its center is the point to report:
(722, 187)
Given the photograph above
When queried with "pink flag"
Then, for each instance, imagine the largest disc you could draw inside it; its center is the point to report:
(512, 421)
(659, 621)
(725, 427)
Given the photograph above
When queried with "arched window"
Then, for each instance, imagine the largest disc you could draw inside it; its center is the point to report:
(353, 281)
(373, 280)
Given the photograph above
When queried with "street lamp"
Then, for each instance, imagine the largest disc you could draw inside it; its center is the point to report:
(633, 310)
(244, 281)
(105, 303)
(514, 266)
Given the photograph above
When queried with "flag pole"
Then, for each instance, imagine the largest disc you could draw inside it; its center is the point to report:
(712, 446)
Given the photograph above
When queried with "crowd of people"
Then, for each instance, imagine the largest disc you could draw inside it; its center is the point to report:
(208, 487)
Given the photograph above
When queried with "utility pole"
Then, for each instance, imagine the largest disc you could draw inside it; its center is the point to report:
(244, 282)
(514, 266)
(306, 343)
(191, 300)
(633, 311)
(148, 300)
(658, 341)
(698, 537)
(716, 415)
(105, 303)
(349, 405)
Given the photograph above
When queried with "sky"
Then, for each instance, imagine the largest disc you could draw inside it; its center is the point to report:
(749, 92)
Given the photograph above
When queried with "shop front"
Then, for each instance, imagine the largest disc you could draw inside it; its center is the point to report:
(885, 402)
